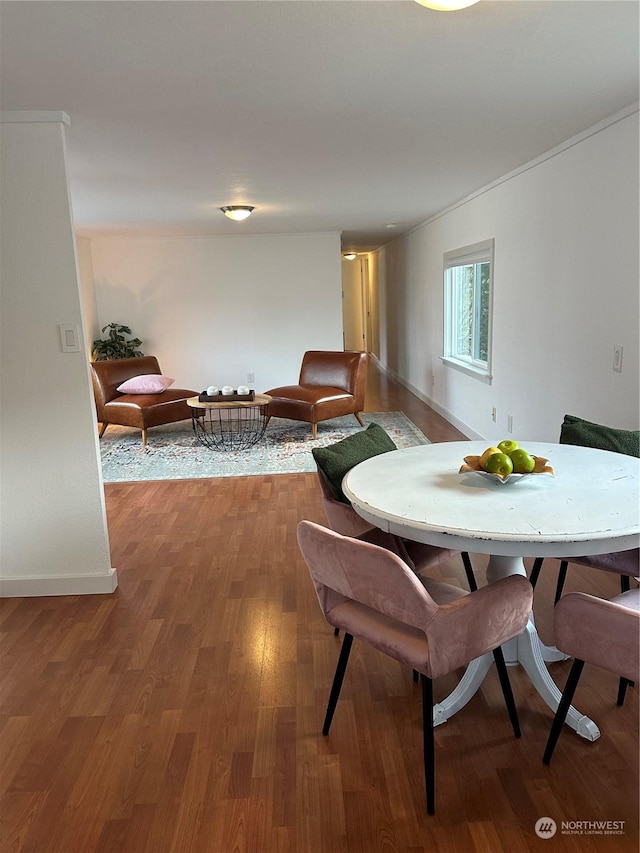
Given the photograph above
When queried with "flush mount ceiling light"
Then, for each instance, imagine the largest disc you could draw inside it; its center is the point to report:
(237, 211)
(349, 256)
(446, 5)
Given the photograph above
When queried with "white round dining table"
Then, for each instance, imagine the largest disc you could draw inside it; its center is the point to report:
(589, 505)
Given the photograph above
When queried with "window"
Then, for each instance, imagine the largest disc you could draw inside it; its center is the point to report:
(468, 278)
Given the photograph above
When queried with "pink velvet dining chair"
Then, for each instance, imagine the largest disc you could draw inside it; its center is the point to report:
(338, 459)
(333, 462)
(371, 593)
(623, 563)
(419, 556)
(577, 431)
(596, 631)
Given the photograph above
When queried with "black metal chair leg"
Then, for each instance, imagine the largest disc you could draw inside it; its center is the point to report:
(471, 578)
(622, 690)
(507, 692)
(625, 583)
(336, 632)
(343, 660)
(562, 576)
(428, 743)
(563, 707)
(535, 571)
(416, 676)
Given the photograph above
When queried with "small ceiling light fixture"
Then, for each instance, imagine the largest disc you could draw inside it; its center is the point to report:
(447, 5)
(349, 256)
(237, 211)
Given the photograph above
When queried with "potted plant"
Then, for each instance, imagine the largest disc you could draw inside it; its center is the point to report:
(116, 344)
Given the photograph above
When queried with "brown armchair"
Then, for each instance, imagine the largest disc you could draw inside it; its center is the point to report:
(135, 410)
(331, 384)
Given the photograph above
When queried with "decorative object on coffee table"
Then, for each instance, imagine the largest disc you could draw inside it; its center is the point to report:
(223, 396)
(232, 422)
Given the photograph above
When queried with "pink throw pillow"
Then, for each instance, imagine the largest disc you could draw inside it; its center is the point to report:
(148, 383)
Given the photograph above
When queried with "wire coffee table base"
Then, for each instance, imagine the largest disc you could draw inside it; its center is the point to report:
(229, 429)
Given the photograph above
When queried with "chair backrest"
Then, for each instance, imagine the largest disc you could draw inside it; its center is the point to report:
(347, 569)
(337, 459)
(107, 375)
(346, 370)
(341, 516)
(583, 433)
(604, 633)
(371, 592)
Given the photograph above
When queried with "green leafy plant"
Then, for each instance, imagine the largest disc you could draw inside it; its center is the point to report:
(116, 344)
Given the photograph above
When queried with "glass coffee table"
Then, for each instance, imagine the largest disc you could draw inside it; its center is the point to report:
(232, 425)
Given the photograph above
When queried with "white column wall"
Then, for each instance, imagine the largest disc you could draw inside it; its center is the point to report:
(53, 524)
(87, 292)
(565, 291)
(215, 309)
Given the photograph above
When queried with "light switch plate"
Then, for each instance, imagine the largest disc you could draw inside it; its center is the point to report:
(617, 358)
(70, 337)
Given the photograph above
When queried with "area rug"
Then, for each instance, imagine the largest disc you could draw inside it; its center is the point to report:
(173, 453)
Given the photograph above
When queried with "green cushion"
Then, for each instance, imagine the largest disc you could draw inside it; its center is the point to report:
(339, 458)
(586, 434)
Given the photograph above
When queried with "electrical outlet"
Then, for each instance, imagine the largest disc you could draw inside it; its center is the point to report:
(494, 414)
(617, 358)
(433, 380)
(251, 377)
(509, 423)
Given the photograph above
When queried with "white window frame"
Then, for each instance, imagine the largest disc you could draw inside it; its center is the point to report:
(475, 254)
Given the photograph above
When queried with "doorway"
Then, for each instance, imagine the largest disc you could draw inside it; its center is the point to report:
(354, 303)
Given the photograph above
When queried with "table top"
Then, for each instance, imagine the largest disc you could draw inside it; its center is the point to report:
(590, 506)
(258, 400)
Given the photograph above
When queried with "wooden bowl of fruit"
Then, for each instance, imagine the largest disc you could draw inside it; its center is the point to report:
(507, 462)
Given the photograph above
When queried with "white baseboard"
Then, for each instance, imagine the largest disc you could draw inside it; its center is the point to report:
(464, 428)
(62, 585)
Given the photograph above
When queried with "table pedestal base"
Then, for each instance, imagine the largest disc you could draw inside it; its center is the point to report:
(526, 649)
(230, 429)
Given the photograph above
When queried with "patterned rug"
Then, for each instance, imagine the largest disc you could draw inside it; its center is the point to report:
(172, 452)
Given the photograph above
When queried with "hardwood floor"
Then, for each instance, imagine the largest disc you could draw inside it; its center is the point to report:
(183, 712)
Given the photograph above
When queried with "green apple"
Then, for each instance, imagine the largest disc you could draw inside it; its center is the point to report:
(488, 452)
(523, 462)
(508, 446)
(499, 463)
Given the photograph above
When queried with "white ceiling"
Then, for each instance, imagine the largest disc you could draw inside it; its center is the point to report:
(327, 115)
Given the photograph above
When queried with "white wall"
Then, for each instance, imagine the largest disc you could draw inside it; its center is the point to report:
(565, 291)
(214, 309)
(53, 524)
(87, 291)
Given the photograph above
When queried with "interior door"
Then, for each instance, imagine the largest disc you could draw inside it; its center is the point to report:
(353, 304)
